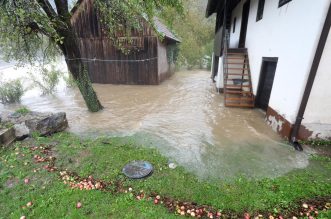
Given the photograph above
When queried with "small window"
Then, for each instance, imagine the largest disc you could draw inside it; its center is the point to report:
(260, 10)
(283, 2)
(234, 24)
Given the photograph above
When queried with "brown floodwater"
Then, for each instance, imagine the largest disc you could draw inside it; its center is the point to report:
(185, 119)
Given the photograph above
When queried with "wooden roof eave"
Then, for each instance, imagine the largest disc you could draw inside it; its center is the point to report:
(215, 6)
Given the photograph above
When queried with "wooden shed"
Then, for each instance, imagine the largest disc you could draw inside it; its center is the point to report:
(148, 64)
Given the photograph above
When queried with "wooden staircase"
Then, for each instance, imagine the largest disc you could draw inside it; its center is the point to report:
(238, 90)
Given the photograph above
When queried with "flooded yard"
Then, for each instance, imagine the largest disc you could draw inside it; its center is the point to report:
(185, 119)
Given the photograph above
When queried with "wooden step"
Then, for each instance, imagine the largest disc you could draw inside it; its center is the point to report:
(239, 105)
(238, 79)
(237, 50)
(236, 86)
(236, 53)
(238, 92)
(238, 68)
(237, 82)
(233, 58)
(243, 99)
(240, 74)
(236, 63)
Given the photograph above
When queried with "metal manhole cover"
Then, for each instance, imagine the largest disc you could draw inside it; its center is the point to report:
(138, 169)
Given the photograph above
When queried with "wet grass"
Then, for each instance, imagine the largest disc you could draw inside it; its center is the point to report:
(104, 158)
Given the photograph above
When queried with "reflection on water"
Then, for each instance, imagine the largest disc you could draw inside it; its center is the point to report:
(184, 117)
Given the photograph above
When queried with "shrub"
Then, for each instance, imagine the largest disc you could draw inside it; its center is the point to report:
(23, 111)
(69, 80)
(48, 80)
(11, 91)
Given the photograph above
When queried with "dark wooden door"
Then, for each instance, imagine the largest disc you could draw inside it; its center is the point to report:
(265, 84)
(244, 23)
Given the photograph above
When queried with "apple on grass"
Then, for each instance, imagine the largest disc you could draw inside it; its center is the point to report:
(78, 205)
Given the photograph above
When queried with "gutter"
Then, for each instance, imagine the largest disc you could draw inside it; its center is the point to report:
(310, 81)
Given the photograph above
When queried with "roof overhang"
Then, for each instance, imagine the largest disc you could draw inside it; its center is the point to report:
(215, 6)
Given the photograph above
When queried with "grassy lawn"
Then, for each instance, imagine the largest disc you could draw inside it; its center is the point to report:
(104, 159)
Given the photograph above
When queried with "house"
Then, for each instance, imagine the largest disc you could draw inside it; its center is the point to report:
(148, 63)
(276, 55)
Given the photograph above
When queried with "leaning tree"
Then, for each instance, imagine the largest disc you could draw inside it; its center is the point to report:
(37, 30)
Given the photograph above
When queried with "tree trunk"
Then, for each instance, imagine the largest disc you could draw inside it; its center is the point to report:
(86, 89)
(79, 71)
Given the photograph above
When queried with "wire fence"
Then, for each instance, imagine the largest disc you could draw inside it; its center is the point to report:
(111, 60)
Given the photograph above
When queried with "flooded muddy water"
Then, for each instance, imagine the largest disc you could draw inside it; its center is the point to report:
(185, 119)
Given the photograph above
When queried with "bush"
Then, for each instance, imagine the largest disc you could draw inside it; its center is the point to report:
(69, 80)
(11, 92)
(23, 111)
(48, 80)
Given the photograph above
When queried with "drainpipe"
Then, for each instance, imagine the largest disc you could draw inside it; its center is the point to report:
(310, 81)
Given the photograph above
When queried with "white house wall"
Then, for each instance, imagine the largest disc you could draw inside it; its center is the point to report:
(290, 33)
(163, 65)
(317, 118)
(219, 77)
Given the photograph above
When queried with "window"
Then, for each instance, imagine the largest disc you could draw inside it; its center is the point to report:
(260, 10)
(234, 24)
(283, 2)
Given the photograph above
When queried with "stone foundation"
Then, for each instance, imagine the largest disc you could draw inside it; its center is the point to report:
(283, 127)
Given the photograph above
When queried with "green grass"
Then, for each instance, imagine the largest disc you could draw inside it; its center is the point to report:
(5, 125)
(22, 111)
(317, 142)
(104, 159)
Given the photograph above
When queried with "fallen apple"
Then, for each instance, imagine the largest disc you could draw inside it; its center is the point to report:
(29, 204)
(78, 205)
(22, 217)
(26, 181)
(305, 205)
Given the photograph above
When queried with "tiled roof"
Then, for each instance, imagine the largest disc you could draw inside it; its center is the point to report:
(163, 30)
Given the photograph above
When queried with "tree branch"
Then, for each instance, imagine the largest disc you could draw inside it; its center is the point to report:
(62, 8)
(47, 7)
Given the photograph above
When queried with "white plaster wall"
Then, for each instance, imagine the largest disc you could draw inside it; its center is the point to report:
(163, 65)
(219, 77)
(290, 33)
(317, 117)
(234, 36)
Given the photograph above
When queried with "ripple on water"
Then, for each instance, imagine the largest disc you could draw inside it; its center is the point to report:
(184, 117)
